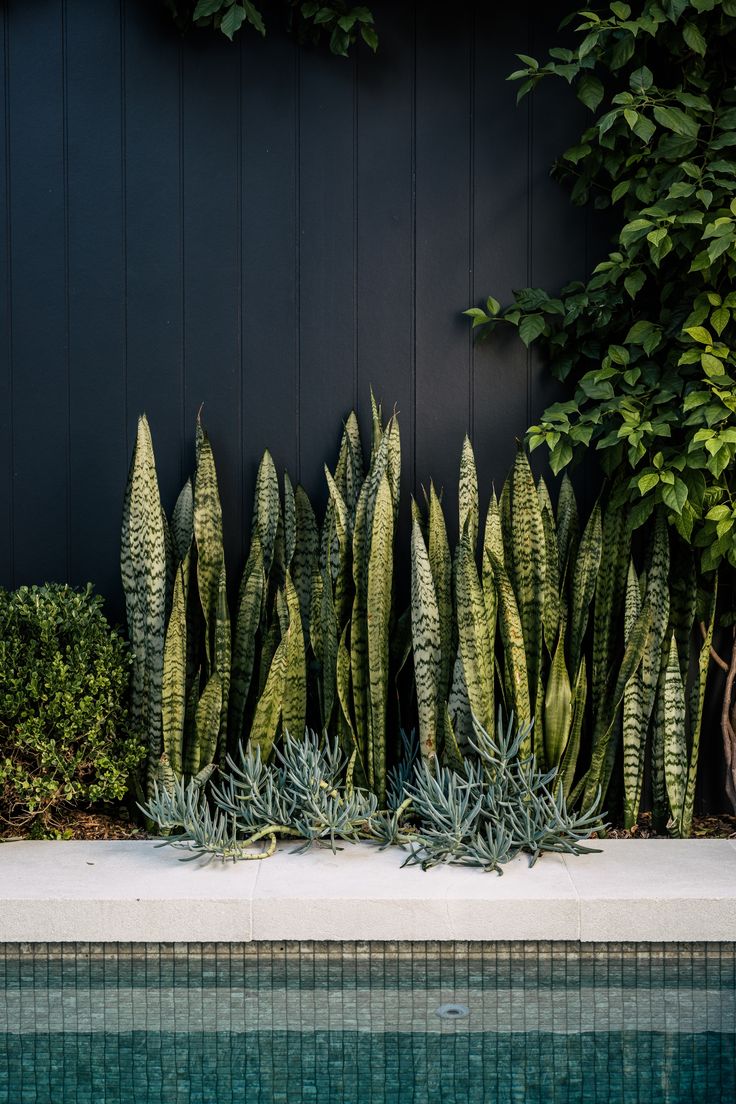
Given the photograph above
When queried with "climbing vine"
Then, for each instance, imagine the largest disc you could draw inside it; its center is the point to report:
(648, 341)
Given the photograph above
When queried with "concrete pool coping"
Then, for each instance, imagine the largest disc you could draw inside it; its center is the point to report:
(134, 891)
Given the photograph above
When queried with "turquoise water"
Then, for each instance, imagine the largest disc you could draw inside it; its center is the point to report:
(358, 1024)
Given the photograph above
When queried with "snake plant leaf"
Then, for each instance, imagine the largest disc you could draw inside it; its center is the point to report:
(558, 708)
(683, 599)
(393, 462)
(425, 628)
(452, 757)
(380, 580)
(474, 645)
(342, 567)
(418, 517)
(223, 657)
(171, 560)
(329, 637)
(440, 563)
(490, 603)
(143, 568)
(376, 425)
(468, 503)
(606, 719)
(208, 537)
(572, 750)
(342, 520)
(378, 469)
(504, 506)
(315, 610)
(266, 508)
(270, 639)
(267, 716)
(202, 777)
(657, 596)
(248, 619)
(551, 601)
(458, 705)
(165, 776)
(528, 568)
(697, 701)
(400, 648)
(359, 616)
(359, 677)
(182, 521)
(174, 688)
(344, 690)
(585, 573)
(191, 747)
(207, 724)
(294, 708)
(517, 690)
(635, 722)
(610, 588)
(349, 470)
(660, 806)
(306, 552)
(493, 532)
(675, 738)
(289, 522)
(568, 527)
(282, 611)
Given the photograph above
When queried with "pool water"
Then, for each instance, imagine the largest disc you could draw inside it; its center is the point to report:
(534, 1023)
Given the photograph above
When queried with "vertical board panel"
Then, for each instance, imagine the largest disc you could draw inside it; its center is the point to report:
(6, 324)
(385, 244)
(558, 238)
(327, 363)
(501, 229)
(153, 338)
(443, 246)
(269, 200)
(38, 213)
(211, 160)
(96, 292)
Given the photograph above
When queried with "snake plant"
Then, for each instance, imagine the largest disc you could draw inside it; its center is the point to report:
(144, 567)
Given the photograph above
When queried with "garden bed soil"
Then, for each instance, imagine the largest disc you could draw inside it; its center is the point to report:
(83, 825)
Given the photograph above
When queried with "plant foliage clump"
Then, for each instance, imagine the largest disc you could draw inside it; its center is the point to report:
(494, 806)
(65, 735)
(311, 20)
(649, 341)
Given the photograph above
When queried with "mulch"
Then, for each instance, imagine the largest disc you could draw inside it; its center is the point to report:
(81, 825)
(721, 826)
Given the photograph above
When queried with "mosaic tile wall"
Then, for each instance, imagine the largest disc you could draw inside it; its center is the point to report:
(368, 1023)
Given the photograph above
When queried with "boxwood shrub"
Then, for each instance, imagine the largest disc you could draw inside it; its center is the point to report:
(65, 735)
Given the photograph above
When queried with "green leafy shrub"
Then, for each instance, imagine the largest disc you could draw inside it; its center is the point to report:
(64, 731)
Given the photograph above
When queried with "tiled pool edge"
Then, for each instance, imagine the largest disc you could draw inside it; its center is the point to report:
(132, 891)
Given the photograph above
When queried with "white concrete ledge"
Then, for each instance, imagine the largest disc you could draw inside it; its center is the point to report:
(635, 890)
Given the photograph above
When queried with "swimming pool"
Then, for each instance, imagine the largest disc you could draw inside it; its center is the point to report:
(368, 1023)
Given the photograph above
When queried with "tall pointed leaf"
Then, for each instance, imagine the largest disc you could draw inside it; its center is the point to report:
(143, 567)
(380, 578)
(425, 629)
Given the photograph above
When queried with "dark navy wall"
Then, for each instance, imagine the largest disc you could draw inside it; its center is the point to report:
(265, 230)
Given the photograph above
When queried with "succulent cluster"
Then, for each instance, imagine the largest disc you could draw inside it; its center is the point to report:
(496, 805)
